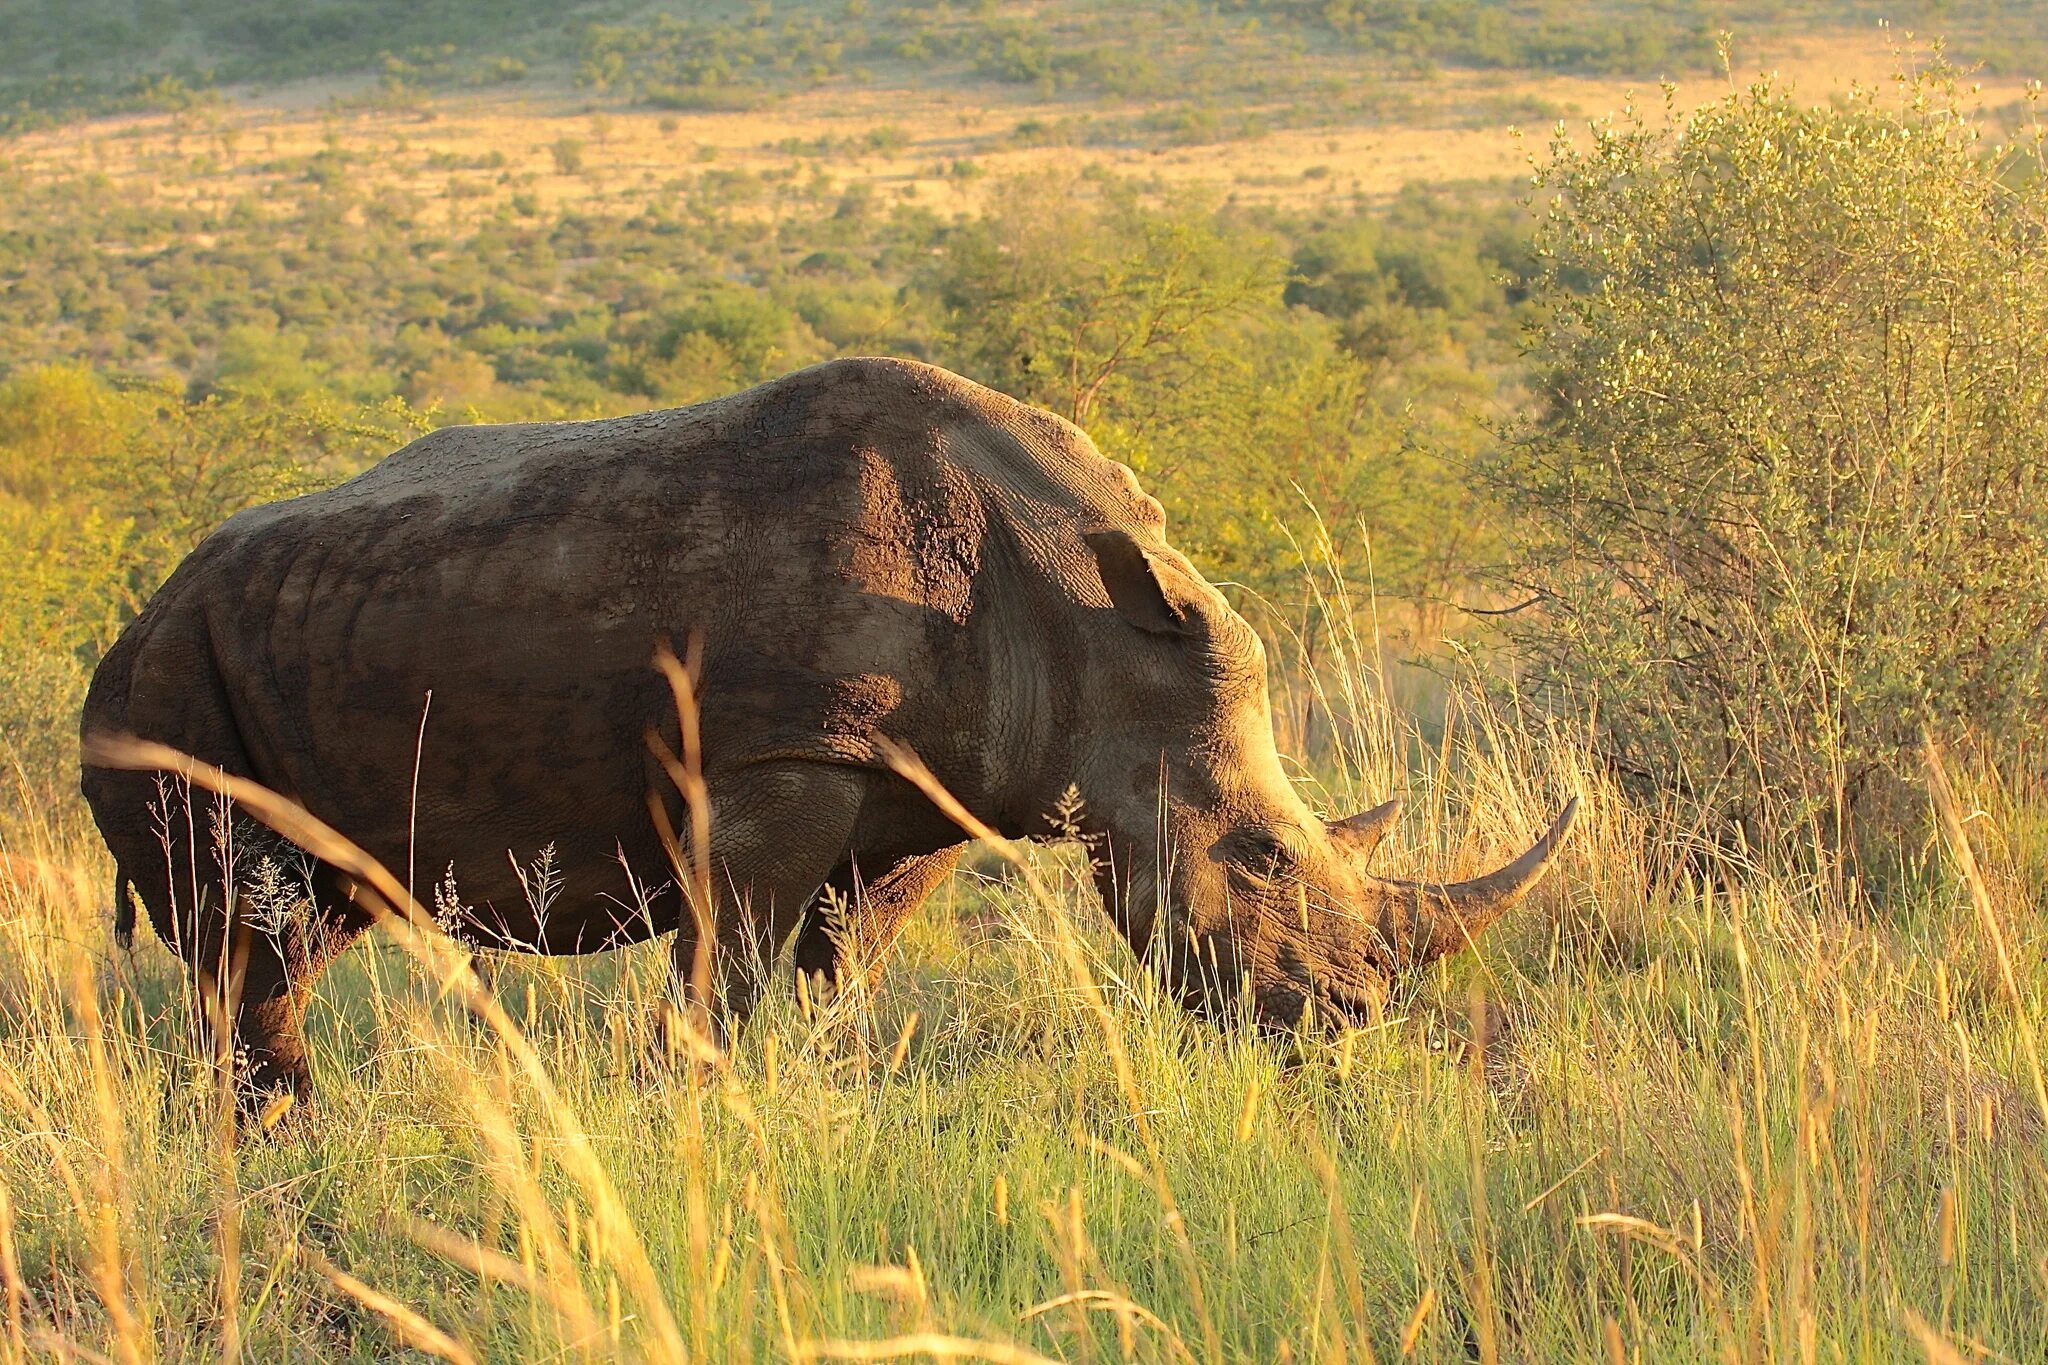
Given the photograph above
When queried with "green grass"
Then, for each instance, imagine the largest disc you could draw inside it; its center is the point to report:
(1749, 1123)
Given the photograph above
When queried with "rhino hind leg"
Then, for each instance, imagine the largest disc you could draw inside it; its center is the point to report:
(251, 981)
(259, 988)
(853, 923)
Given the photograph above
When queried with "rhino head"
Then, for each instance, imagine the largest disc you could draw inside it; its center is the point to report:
(1215, 870)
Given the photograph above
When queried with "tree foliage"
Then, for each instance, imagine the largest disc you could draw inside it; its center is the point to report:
(1082, 301)
(1786, 507)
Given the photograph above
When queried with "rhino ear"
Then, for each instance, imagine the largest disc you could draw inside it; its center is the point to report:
(1132, 579)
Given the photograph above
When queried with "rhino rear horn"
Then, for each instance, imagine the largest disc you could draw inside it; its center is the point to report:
(1360, 835)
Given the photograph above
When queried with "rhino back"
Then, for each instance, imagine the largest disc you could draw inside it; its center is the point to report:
(862, 545)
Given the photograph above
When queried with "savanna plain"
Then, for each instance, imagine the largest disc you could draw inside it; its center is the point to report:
(1642, 402)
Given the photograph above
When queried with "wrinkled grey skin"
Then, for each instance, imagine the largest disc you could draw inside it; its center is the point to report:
(865, 548)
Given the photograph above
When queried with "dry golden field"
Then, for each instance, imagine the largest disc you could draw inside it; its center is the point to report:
(472, 151)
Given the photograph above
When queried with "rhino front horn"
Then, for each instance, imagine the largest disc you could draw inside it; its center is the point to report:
(1428, 920)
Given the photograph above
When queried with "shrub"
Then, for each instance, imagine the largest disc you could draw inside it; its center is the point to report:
(1785, 508)
(568, 155)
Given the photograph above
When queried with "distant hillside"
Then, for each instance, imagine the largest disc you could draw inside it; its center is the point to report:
(62, 55)
(61, 58)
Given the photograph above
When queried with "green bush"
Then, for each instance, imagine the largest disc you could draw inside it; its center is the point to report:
(710, 63)
(1786, 506)
(1650, 37)
(568, 155)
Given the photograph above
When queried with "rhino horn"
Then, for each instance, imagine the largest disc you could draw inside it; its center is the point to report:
(1359, 835)
(1429, 920)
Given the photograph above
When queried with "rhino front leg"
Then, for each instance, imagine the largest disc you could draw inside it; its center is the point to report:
(778, 831)
(853, 922)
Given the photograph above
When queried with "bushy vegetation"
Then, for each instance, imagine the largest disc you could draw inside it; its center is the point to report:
(1669, 35)
(681, 63)
(1786, 508)
(1249, 388)
(104, 55)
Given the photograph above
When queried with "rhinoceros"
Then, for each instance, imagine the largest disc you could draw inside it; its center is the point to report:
(448, 658)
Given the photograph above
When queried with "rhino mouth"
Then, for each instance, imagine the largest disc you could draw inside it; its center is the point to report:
(1330, 1000)
(1349, 1006)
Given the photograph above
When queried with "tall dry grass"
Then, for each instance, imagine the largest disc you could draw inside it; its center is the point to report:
(1676, 1110)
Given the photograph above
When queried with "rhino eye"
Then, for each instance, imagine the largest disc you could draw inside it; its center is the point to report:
(1266, 849)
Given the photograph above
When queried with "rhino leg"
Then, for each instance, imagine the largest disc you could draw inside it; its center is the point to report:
(251, 984)
(853, 923)
(259, 984)
(779, 830)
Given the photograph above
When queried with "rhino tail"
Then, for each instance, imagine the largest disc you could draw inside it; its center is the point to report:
(124, 910)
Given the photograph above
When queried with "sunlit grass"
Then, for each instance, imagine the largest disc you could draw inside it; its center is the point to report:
(1661, 1118)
